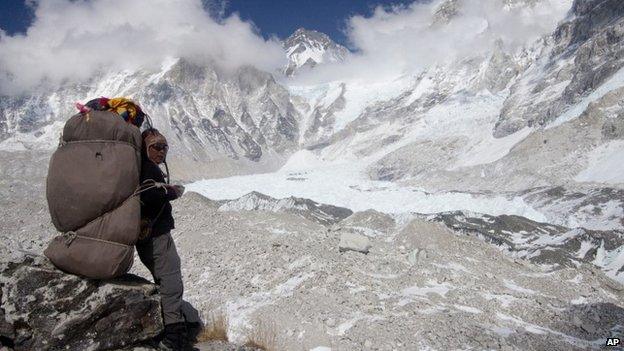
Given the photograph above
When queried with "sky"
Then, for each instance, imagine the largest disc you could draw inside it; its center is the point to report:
(15, 16)
(270, 17)
(283, 17)
(44, 43)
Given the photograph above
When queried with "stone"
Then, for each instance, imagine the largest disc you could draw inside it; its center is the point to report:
(613, 129)
(46, 309)
(354, 242)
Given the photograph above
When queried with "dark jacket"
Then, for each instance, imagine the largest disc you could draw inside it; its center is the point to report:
(155, 203)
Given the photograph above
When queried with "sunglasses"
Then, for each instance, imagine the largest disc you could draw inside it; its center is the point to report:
(160, 147)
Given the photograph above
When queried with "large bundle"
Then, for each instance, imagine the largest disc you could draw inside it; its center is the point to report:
(91, 183)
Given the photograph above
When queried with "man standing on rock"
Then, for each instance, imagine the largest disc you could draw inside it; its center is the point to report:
(156, 247)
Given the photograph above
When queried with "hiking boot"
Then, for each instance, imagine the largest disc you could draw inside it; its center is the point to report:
(174, 338)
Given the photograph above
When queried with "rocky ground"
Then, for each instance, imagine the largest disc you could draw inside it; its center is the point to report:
(289, 280)
(421, 285)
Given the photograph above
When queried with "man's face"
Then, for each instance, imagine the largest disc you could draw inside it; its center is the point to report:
(157, 152)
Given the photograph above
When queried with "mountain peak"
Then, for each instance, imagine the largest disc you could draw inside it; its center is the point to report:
(307, 47)
(302, 30)
(302, 34)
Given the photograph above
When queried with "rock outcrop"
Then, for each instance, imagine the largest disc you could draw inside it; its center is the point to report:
(306, 208)
(42, 308)
(581, 55)
(543, 243)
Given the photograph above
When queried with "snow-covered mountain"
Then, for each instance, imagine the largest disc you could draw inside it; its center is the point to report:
(308, 48)
(546, 114)
(537, 115)
(217, 122)
(505, 120)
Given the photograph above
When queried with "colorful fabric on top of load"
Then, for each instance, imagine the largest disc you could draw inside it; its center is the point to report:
(130, 111)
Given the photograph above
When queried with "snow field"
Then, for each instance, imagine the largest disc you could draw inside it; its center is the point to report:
(358, 95)
(346, 185)
(45, 139)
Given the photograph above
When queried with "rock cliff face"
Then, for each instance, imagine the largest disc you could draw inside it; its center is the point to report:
(241, 119)
(581, 55)
(42, 308)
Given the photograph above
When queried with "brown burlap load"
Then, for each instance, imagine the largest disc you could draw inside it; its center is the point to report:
(91, 190)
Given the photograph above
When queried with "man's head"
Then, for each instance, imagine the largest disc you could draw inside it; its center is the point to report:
(155, 145)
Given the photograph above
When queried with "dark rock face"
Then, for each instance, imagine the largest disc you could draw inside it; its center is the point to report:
(603, 204)
(227, 125)
(582, 54)
(613, 129)
(42, 308)
(594, 321)
(446, 12)
(541, 243)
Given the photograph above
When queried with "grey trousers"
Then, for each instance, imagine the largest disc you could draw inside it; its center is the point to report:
(159, 255)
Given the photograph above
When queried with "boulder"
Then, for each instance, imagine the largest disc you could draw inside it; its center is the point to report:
(42, 308)
(353, 242)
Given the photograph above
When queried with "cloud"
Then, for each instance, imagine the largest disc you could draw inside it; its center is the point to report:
(400, 39)
(71, 40)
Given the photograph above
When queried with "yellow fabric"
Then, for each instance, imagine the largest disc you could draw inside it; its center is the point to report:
(120, 105)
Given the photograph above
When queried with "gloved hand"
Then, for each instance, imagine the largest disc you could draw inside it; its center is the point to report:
(178, 190)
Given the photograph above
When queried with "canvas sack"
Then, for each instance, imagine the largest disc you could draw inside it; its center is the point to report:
(91, 191)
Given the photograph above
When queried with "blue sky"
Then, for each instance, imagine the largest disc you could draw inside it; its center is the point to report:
(282, 17)
(271, 17)
(15, 16)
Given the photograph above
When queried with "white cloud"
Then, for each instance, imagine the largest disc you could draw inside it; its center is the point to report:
(71, 40)
(400, 39)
